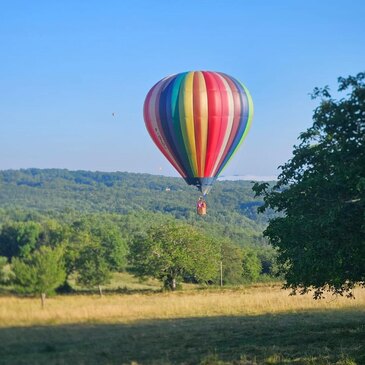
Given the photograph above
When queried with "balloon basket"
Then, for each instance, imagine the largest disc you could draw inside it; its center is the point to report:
(201, 206)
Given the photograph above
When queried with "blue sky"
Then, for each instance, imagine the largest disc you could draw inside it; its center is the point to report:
(66, 66)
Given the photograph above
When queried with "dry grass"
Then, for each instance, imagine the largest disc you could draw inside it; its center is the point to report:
(126, 308)
(251, 326)
(122, 280)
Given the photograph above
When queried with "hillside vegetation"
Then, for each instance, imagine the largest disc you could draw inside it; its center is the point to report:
(231, 204)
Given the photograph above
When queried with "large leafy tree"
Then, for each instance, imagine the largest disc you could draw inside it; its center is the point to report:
(173, 251)
(320, 195)
(251, 265)
(41, 273)
(114, 246)
(100, 233)
(232, 257)
(92, 266)
(19, 238)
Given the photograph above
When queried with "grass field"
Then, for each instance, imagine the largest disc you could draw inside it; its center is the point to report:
(256, 325)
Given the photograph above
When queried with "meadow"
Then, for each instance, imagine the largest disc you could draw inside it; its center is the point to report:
(260, 324)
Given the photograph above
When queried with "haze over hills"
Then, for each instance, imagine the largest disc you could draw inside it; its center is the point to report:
(247, 177)
(231, 204)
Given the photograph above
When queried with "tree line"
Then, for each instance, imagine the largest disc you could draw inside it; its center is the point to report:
(231, 204)
(44, 253)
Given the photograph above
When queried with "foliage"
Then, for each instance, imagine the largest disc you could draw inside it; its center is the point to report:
(3, 263)
(320, 194)
(231, 263)
(41, 273)
(78, 209)
(113, 246)
(231, 204)
(99, 232)
(18, 238)
(268, 259)
(251, 265)
(92, 267)
(172, 251)
(112, 232)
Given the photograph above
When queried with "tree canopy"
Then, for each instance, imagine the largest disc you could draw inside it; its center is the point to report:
(320, 194)
(92, 267)
(173, 251)
(232, 206)
(41, 273)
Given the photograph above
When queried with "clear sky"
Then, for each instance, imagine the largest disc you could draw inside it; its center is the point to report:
(66, 66)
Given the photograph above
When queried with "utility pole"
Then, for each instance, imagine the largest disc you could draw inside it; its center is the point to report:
(221, 273)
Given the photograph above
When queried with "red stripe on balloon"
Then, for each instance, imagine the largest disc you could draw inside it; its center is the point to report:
(197, 121)
(218, 109)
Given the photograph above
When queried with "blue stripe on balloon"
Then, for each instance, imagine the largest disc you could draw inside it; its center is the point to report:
(175, 124)
(166, 122)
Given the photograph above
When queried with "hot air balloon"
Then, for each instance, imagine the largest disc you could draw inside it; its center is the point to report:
(198, 119)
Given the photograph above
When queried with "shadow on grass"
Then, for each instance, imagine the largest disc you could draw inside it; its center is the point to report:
(6, 291)
(322, 337)
(113, 291)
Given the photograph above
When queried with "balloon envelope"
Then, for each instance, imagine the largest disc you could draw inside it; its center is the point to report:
(198, 119)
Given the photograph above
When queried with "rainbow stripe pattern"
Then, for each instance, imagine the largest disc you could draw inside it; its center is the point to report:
(198, 120)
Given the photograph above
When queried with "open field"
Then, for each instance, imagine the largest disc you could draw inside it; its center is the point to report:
(257, 325)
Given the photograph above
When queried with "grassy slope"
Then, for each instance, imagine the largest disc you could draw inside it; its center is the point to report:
(261, 325)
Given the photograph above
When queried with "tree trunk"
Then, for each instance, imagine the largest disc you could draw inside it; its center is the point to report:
(43, 299)
(100, 291)
(173, 284)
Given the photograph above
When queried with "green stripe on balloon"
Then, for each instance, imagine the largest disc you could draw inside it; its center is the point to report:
(176, 122)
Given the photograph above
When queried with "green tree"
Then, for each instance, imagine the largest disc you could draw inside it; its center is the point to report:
(320, 195)
(114, 245)
(173, 251)
(92, 267)
(251, 265)
(268, 257)
(98, 232)
(19, 239)
(3, 276)
(232, 257)
(79, 238)
(41, 273)
(53, 233)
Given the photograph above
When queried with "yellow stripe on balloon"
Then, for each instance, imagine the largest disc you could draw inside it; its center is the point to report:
(187, 120)
(201, 113)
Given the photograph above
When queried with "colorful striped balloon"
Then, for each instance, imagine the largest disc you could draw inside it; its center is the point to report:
(198, 120)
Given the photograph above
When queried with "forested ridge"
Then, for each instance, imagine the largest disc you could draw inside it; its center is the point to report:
(51, 192)
(88, 225)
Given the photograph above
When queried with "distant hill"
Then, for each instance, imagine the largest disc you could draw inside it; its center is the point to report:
(231, 204)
